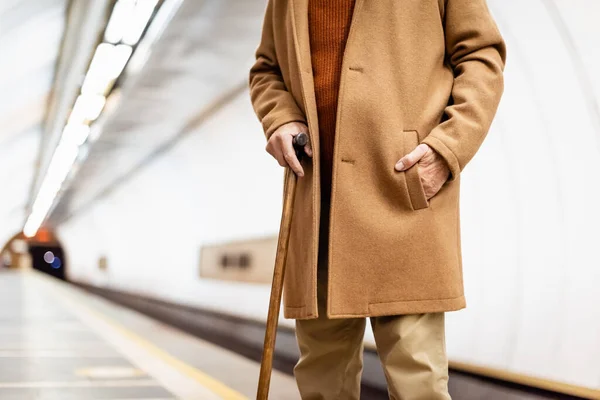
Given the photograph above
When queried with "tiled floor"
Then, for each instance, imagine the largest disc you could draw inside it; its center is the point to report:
(48, 353)
(59, 343)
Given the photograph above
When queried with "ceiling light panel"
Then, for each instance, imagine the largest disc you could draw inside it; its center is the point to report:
(122, 54)
(123, 31)
(128, 21)
(120, 18)
(141, 15)
(97, 79)
(106, 66)
(74, 135)
(87, 108)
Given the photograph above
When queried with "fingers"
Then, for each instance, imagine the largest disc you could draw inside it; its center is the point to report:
(411, 158)
(275, 150)
(308, 150)
(281, 147)
(289, 154)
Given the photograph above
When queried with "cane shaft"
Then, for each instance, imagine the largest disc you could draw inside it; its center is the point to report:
(266, 365)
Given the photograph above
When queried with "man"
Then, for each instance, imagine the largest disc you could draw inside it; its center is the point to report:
(396, 96)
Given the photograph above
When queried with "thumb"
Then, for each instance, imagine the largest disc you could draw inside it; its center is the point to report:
(411, 158)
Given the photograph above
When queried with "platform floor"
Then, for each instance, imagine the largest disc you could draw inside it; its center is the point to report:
(58, 342)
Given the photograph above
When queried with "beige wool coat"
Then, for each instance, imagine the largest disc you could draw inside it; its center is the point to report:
(414, 71)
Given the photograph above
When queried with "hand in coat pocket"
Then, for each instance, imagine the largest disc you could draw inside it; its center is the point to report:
(433, 170)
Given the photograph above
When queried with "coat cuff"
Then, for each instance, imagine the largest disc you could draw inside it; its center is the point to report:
(272, 125)
(447, 154)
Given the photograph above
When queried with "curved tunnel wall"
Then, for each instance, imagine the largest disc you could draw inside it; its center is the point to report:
(17, 157)
(529, 208)
(31, 35)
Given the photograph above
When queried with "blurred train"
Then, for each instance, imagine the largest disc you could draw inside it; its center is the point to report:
(176, 199)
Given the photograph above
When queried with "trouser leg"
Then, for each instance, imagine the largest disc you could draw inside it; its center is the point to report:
(412, 350)
(331, 350)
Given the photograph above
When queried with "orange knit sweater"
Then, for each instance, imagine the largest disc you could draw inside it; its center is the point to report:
(329, 24)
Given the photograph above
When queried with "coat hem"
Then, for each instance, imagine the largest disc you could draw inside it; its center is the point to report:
(386, 309)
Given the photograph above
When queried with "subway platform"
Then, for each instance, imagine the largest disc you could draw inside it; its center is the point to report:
(58, 342)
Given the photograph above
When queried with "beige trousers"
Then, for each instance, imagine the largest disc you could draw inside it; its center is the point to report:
(411, 349)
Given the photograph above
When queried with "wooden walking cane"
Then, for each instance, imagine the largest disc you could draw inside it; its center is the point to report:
(266, 364)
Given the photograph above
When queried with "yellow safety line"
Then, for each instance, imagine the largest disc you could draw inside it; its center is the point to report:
(527, 380)
(205, 380)
(215, 386)
(229, 394)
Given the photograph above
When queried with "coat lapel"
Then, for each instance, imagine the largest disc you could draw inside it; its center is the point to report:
(302, 47)
(301, 35)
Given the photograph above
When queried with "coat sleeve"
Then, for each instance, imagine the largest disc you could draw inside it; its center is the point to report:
(476, 52)
(272, 102)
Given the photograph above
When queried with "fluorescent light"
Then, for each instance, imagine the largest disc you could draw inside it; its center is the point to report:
(61, 164)
(107, 64)
(31, 226)
(58, 170)
(122, 54)
(121, 16)
(87, 108)
(97, 79)
(74, 135)
(127, 23)
(141, 15)
(163, 16)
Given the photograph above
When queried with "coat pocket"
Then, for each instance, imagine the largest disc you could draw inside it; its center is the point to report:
(416, 193)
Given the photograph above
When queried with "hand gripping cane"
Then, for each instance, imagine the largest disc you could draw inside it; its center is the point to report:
(266, 364)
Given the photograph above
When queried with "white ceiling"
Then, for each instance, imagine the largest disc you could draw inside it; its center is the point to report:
(200, 62)
(30, 37)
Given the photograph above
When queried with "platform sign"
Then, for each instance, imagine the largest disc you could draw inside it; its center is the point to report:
(241, 261)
